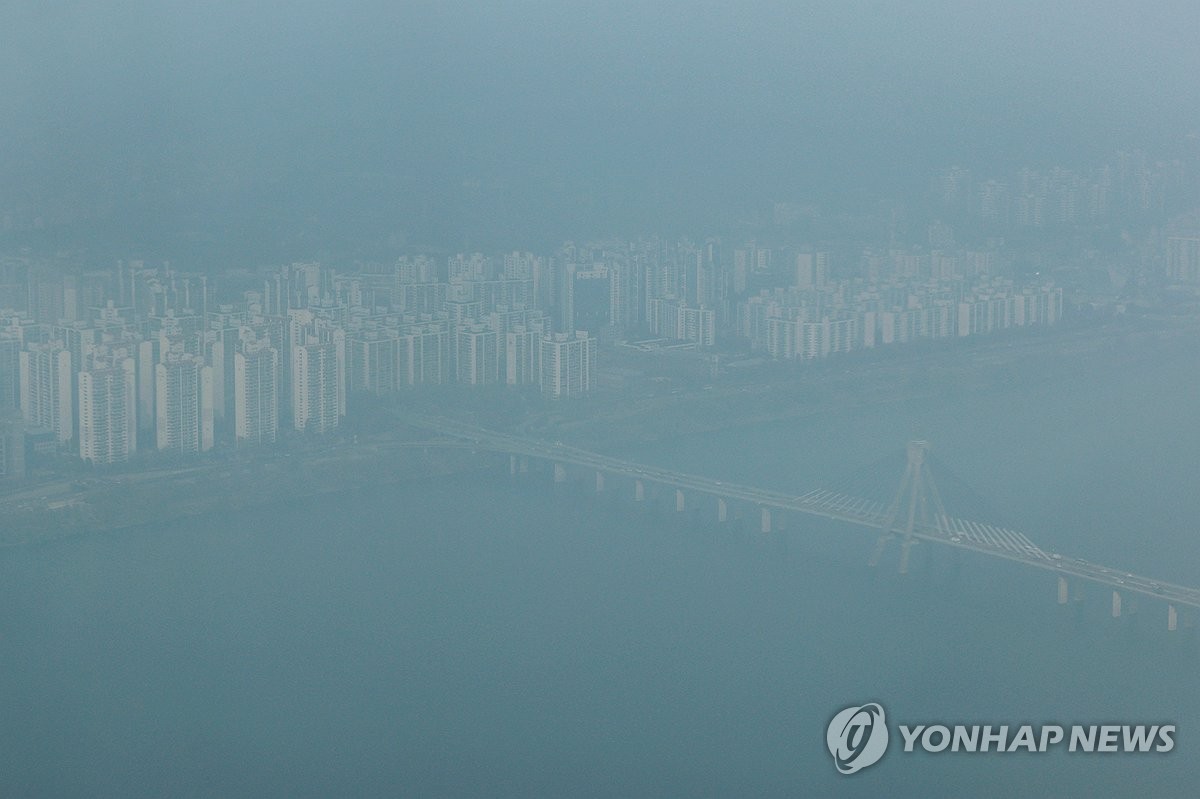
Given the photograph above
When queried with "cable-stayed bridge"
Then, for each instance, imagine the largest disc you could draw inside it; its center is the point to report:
(913, 513)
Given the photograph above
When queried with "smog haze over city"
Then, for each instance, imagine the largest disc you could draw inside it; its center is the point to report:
(614, 399)
(529, 123)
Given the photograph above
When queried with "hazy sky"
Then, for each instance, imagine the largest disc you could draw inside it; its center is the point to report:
(450, 120)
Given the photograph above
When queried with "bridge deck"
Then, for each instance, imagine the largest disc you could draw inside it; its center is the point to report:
(965, 534)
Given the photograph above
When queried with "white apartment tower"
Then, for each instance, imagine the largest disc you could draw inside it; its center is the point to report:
(183, 403)
(568, 365)
(45, 375)
(108, 410)
(316, 405)
(522, 354)
(256, 392)
(10, 370)
(478, 355)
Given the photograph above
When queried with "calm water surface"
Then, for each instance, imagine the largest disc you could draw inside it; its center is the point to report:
(474, 637)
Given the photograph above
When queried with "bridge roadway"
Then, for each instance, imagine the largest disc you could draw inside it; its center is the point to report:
(948, 531)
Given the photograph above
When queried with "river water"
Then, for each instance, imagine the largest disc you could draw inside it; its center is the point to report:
(479, 636)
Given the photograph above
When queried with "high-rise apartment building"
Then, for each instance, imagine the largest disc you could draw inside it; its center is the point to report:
(315, 393)
(183, 403)
(523, 354)
(10, 372)
(108, 408)
(568, 364)
(1183, 260)
(46, 401)
(478, 355)
(256, 392)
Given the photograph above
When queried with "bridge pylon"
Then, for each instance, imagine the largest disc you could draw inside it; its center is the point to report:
(916, 503)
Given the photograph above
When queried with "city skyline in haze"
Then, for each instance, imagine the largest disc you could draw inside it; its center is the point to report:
(526, 124)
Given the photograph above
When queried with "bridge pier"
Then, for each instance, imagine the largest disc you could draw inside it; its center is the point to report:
(679, 501)
(560, 473)
(512, 465)
(765, 520)
(722, 511)
(639, 491)
(1064, 590)
(523, 465)
(1116, 605)
(905, 548)
(1172, 618)
(599, 482)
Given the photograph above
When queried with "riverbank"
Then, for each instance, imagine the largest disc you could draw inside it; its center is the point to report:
(812, 390)
(611, 422)
(120, 503)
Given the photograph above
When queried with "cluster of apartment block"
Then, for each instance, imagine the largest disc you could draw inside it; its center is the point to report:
(144, 358)
(808, 323)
